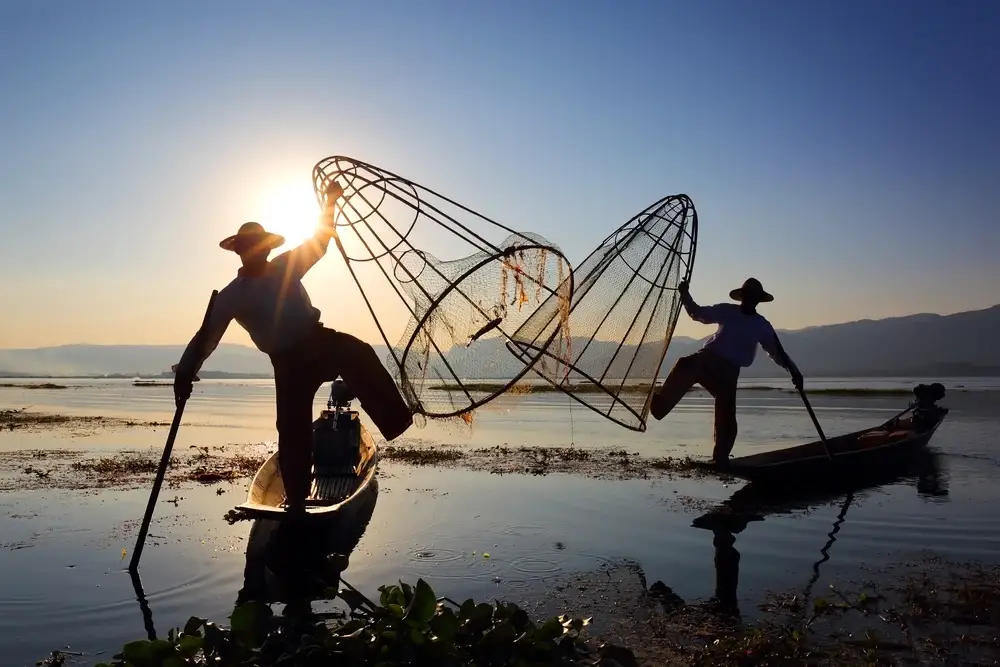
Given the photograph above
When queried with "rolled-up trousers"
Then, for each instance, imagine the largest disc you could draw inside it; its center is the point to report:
(719, 377)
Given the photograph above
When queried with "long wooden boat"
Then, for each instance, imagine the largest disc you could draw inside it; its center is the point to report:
(345, 460)
(293, 561)
(883, 446)
(755, 501)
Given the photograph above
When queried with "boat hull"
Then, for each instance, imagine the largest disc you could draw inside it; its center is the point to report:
(330, 494)
(850, 455)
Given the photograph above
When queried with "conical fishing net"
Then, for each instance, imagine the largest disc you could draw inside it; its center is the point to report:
(624, 308)
(455, 315)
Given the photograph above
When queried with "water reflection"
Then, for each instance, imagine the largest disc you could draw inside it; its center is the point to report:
(756, 502)
(147, 613)
(294, 563)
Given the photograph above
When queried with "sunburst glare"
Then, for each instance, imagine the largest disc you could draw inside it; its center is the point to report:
(291, 210)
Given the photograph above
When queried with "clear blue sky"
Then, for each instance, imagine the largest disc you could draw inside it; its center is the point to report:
(846, 153)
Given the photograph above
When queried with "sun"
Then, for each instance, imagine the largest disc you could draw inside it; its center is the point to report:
(290, 210)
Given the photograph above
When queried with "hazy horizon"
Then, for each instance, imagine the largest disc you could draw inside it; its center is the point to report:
(843, 154)
(706, 330)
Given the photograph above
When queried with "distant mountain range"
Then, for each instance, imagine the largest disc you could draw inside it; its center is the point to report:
(925, 345)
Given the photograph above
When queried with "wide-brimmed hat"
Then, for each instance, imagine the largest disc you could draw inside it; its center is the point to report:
(753, 289)
(253, 235)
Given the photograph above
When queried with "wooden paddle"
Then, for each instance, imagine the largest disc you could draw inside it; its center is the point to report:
(805, 400)
(165, 459)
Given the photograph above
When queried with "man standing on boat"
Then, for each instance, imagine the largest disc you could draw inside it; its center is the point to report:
(268, 299)
(716, 366)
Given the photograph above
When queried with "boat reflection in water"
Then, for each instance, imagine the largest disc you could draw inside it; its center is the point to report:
(296, 562)
(755, 502)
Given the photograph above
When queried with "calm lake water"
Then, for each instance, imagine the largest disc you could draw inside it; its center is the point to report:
(63, 581)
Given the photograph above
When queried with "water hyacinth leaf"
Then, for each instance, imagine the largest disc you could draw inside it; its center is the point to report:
(397, 596)
(423, 604)
(353, 599)
(550, 629)
(502, 612)
(193, 625)
(445, 625)
(467, 608)
(480, 618)
(521, 619)
(497, 636)
(351, 627)
(248, 617)
(489, 635)
(189, 645)
(147, 653)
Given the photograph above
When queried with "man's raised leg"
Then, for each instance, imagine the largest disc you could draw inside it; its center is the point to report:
(357, 362)
(682, 377)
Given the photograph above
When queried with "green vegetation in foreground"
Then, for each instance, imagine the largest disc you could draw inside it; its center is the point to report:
(588, 388)
(409, 626)
(951, 617)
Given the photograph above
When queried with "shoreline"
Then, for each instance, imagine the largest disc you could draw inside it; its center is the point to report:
(930, 612)
(917, 612)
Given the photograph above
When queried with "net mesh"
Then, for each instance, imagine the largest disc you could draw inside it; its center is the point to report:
(451, 356)
(622, 315)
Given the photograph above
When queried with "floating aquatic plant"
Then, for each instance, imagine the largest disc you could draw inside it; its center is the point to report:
(409, 625)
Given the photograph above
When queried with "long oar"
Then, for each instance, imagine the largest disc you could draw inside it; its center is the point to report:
(165, 459)
(812, 415)
(805, 400)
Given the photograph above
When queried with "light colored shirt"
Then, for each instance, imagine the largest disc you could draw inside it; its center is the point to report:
(273, 307)
(738, 334)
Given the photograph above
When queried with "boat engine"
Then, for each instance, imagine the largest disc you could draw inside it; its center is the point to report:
(925, 409)
(337, 434)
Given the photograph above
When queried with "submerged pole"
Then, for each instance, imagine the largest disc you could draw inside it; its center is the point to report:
(165, 459)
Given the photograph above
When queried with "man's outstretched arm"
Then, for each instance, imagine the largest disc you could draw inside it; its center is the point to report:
(703, 314)
(202, 344)
(298, 261)
(769, 341)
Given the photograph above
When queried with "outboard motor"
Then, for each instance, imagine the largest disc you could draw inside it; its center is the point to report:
(925, 409)
(337, 434)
